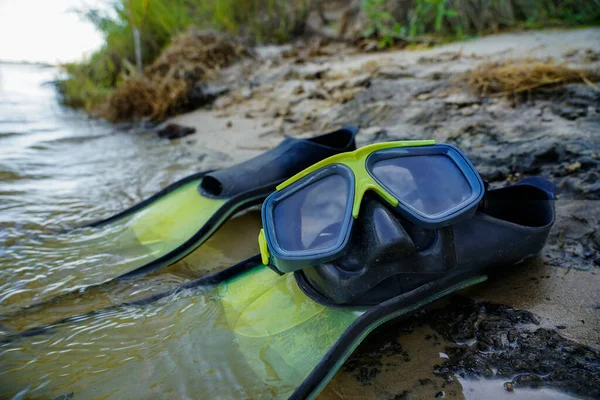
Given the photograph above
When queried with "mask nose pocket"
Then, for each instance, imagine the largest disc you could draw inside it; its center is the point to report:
(377, 238)
(386, 238)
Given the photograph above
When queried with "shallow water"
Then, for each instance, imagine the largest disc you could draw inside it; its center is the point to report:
(59, 170)
(230, 341)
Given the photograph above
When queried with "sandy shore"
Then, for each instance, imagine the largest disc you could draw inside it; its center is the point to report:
(248, 121)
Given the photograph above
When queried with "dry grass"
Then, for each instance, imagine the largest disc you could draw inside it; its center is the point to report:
(163, 88)
(511, 77)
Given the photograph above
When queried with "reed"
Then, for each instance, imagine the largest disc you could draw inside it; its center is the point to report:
(162, 90)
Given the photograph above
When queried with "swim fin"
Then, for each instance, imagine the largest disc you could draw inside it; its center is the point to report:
(181, 217)
(169, 225)
(247, 332)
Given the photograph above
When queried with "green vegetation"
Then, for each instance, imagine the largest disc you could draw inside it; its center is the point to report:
(455, 19)
(91, 82)
(158, 21)
(381, 23)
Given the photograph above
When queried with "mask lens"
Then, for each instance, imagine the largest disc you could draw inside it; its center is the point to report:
(311, 218)
(431, 184)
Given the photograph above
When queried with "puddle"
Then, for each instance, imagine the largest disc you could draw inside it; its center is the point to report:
(494, 389)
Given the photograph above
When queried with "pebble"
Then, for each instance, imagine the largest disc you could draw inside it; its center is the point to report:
(175, 131)
(462, 99)
(394, 72)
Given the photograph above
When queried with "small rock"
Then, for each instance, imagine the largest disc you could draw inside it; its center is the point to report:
(438, 75)
(310, 71)
(362, 80)
(509, 386)
(279, 125)
(425, 96)
(394, 72)
(370, 46)
(440, 395)
(344, 96)
(332, 86)
(229, 124)
(441, 57)
(246, 93)
(573, 167)
(282, 110)
(318, 94)
(204, 93)
(567, 112)
(175, 131)
(570, 53)
(298, 90)
(462, 99)
(467, 111)
(530, 381)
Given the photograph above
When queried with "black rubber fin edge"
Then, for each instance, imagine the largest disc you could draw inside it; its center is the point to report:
(540, 183)
(289, 157)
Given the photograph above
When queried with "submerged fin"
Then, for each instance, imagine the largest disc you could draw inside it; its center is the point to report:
(244, 333)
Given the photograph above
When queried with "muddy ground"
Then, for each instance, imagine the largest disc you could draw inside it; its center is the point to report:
(532, 331)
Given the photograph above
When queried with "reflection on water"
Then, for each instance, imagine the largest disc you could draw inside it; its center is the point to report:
(493, 389)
